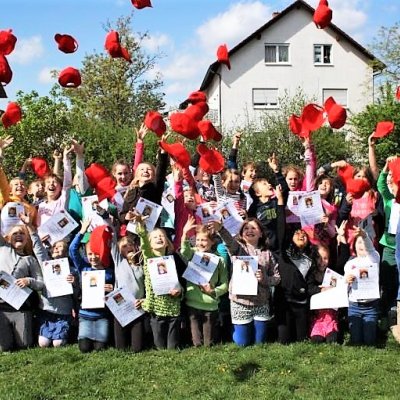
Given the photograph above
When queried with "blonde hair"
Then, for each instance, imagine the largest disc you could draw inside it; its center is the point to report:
(28, 248)
(135, 180)
(170, 247)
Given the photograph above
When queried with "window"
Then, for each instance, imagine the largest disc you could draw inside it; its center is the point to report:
(339, 95)
(276, 53)
(265, 98)
(322, 54)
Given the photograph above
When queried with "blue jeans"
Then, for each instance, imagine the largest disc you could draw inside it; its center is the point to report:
(363, 322)
(253, 333)
(93, 329)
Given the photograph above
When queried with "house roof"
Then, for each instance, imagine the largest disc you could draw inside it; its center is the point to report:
(213, 68)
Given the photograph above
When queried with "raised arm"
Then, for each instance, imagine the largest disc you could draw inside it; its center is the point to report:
(67, 180)
(79, 150)
(139, 147)
(373, 165)
(232, 159)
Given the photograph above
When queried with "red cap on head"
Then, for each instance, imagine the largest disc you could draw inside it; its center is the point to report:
(185, 125)
(223, 55)
(197, 111)
(12, 115)
(70, 77)
(208, 131)
(66, 43)
(100, 242)
(40, 167)
(211, 161)
(5, 71)
(139, 4)
(196, 97)
(7, 42)
(357, 187)
(155, 122)
(178, 152)
(383, 129)
(322, 15)
(114, 48)
(337, 114)
(312, 117)
(95, 173)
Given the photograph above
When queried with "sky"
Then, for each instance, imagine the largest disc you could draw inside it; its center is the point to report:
(186, 33)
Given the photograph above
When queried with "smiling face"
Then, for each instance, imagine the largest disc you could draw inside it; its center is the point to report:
(18, 238)
(93, 258)
(36, 189)
(251, 232)
(18, 188)
(203, 177)
(121, 174)
(231, 182)
(158, 241)
(59, 250)
(325, 188)
(52, 187)
(189, 200)
(249, 173)
(127, 248)
(292, 179)
(144, 173)
(263, 188)
(323, 258)
(359, 247)
(300, 238)
(203, 242)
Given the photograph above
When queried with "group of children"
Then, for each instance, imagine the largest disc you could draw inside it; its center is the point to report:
(292, 255)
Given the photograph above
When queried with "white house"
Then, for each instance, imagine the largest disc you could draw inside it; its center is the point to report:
(286, 53)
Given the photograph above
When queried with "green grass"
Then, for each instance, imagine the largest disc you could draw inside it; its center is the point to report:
(271, 371)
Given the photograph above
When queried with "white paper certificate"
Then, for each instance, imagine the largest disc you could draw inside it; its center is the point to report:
(333, 298)
(57, 227)
(10, 216)
(201, 268)
(244, 281)
(89, 209)
(168, 201)
(11, 293)
(55, 274)
(366, 283)
(93, 288)
(122, 304)
(394, 217)
(310, 209)
(206, 213)
(333, 279)
(231, 220)
(148, 209)
(163, 274)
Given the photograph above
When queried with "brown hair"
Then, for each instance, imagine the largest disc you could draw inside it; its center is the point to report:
(248, 165)
(294, 168)
(262, 242)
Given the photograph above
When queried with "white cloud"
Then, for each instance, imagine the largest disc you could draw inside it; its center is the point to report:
(27, 50)
(349, 15)
(45, 75)
(154, 42)
(233, 25)
(183, 66)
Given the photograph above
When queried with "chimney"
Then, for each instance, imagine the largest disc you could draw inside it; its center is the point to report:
(275, 14)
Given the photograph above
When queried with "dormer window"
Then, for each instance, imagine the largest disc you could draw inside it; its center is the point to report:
(277, 53)
(322, 54)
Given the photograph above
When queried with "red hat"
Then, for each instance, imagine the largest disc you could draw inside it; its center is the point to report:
(383, 129)
(40, 167)
(155, 122)
(114, 48)
(398, 93)
(346, 173)
(312, 117)
(208, 131)
(296, 126)
(178, 152)
(196, 97)
(223, 55)
(5, 71)
(95, 173)
(105, 188)
(7, 42)
(12, 115)
(139, 4)
(66, 43)
(197, 111)
(322, 15)
(185, 125)
(70, 77)
(211, 161)
(357, 187)
(100, 242)
(337, 114)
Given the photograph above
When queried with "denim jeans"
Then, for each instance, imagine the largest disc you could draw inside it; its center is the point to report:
(363, 322)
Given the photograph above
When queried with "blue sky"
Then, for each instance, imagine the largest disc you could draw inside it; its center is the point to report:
(187, 32)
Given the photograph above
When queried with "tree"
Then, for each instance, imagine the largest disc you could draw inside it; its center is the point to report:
(114, 91)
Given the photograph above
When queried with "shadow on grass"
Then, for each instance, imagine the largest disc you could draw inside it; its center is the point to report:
(245, 371)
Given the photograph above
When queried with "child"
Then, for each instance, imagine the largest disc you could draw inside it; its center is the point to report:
(203, 300)
(165, 310)
(93, 323)
(363, 313)
(251, 313)
(17, 260)
(129, 274)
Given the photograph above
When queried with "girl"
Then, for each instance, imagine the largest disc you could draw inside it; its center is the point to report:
(203, 300)
(251, 313)
(363, 313)
(129, 274)
(93, 323)
(17, 260)
(165, 310)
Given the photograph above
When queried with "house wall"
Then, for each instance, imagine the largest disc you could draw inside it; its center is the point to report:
(349, 70)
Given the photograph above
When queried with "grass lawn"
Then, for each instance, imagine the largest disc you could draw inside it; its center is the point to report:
(271, 371)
